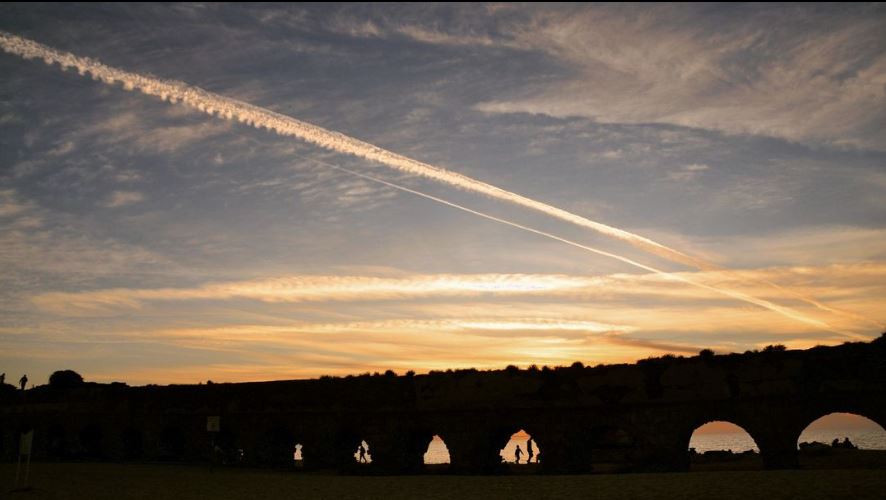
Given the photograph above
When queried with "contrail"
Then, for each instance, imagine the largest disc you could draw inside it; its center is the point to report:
(214, 104)
(784, 311)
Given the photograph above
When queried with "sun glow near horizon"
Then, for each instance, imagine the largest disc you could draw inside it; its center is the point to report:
(146, 242)
(422, 322)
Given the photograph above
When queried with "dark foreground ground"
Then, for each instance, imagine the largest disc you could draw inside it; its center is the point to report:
(186, 482)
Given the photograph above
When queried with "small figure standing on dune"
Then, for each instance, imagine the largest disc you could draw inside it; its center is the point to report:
(517, 454)
(2, 378)
(362, 452)
(23, 381)
(530, 451)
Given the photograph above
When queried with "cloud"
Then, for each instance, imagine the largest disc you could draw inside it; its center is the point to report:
(492, 338)
(342, 348)
(259, 187)
(35, 241)
(687, 172)
(295, 289)
(225, 107)
(132, 130)
(801, 74)
(854, 288)
(800, 246)
(271, 328)
(388, 28)
(122, 198)
(11, 205)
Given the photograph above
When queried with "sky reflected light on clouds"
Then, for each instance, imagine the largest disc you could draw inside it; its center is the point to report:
(369, 187)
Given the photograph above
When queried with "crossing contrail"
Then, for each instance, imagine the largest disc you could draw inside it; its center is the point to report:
(232, 109)
(784, 311)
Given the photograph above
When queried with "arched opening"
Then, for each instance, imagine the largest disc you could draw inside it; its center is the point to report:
(611, 448)
(57, 442)
(225, 450)
(437, 455)
(839, 440)
(298, 458)
(361, 454)
(723, 445)
(19, 434)
(521, 449)
(91, 441)
(133, 444)
(277, 448)
(172, 443)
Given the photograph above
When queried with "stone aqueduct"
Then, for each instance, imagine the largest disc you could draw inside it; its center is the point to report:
(572, 413)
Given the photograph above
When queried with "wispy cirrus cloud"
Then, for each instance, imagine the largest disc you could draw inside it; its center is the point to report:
(122, 198)
(12, 205)
(838, 284)
(341, 348)
(802, 73)
(240, 229)
(225, 107)
(280, 327)
(687, 173)
(323, 288)
(36, 240)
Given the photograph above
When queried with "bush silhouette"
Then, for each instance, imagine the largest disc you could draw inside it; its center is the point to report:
(65, 379)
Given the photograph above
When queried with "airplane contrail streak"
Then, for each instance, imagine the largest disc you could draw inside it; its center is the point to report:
(214, 104)
(784, 311)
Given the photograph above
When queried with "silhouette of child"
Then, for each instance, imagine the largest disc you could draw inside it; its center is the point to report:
(517, 454)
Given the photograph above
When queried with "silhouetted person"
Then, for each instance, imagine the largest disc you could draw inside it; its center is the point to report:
(517, 454)
(530, 451)
(23, 381)
(2, 378)
(835, 443)
(362, 452)
(848, 444)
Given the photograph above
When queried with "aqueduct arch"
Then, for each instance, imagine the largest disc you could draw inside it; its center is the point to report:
(645, 412)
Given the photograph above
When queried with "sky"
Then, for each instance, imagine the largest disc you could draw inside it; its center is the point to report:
(149, 241)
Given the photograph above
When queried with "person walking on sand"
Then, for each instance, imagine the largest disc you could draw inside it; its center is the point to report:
(517, 454)
(530, 451)
(23, 381)
(362, 452)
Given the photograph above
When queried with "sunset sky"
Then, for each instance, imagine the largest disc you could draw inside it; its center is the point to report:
(145, 241)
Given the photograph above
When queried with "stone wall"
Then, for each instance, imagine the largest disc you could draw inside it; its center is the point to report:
(642, 414)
